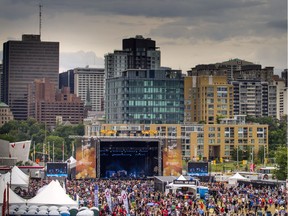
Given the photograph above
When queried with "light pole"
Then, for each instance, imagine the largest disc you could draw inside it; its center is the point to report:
(264, 161)
(237, 157)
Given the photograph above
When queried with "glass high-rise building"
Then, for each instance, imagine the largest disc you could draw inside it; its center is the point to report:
(23, 62)
(145, 96)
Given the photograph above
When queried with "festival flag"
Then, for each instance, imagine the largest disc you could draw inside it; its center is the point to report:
(34, 151)
(23, 145)
(125, 200)
(108, 198)
(12, 145)
(96, 199)
(63, 151)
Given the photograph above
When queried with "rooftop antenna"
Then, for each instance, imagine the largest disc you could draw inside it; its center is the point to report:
(40, 18)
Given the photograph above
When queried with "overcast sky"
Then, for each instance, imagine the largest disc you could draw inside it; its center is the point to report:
(188, 32)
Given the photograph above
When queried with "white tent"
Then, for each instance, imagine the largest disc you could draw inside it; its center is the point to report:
(72, 162)
(233, 179)
(18, 173)
(181, 177)
(174, 186)
(16, 180)
(13, 197)
(53, 194)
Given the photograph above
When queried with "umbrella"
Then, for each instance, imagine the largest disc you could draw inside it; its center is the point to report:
(53, 208)
(32, 212)
(86, 212)
(54, 212)
(65, 213)
(33, 207)
(43, 212)
(43, 208)
(63, 208)
(21, 212)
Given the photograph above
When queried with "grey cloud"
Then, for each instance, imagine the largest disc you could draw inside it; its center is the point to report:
(278, 24)
(215, 20)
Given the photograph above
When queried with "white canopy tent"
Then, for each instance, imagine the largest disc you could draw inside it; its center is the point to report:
(174, 186)
(233, 179)
(53, 194)
(72, 162)
(18, 173)
(13, 197)
(15, 180)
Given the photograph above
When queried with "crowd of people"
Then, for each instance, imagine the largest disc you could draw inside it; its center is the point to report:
(144, 200)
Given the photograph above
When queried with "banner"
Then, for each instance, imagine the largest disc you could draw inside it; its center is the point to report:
(172, 158)
(125, 200)
(252, 166)
(108, 198)
(86, 159)
(96, 200)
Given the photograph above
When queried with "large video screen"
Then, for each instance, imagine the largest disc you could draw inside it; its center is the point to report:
(57, 170)
(198, 168)
(128, 159)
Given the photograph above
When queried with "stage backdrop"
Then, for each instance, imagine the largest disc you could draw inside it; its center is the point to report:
(86, 158)
(172, 157)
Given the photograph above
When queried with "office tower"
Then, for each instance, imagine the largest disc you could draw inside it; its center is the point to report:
(145, 96)
(284, 75)
(66, 79)
(136, 53)
(51, 106)
(207, 99)
(23, 62)
(92, 80)
(1, 79)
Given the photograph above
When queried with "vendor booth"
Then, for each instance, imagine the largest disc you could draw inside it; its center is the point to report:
(181, 184)
(234, 179)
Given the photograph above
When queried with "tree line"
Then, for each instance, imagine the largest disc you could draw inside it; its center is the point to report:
(41, 136)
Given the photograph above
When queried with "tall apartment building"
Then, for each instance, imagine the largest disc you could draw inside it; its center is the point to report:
(51, 106)
(66, 79)
(234, 69)
(23, 62)
(254, 98)
(254, 91)
(136, 53)
(5, 114)
(92, 80)
(145, 96)
(281, 97)
(207, 98)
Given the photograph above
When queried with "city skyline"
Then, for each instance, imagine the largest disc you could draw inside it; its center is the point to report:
(187, 32)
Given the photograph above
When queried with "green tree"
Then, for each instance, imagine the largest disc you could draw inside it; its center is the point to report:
(281, 161)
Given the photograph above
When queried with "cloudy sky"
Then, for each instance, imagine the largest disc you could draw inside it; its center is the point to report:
(188, 32)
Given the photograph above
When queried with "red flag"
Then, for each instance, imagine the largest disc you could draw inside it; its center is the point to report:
(23, 145)
(10, 155)
(12, 145)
